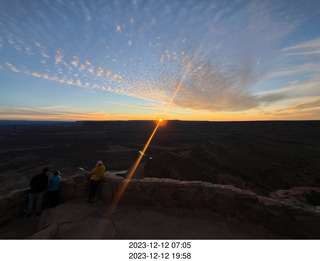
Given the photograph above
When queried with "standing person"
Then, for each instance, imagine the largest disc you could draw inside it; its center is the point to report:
(38, 186)
(97, 173)
(53, 188)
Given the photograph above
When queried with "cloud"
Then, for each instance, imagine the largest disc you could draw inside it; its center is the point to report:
(11, 67)
(306, 48)
(44, 55)
(207, 85)
(59, 57)
(295, 109)
(213, 87)
(301, 90)
(28, 50)
(49, 113)
(70, 81)
(116, 76)
(222, 44)
(38, 44)
(35, 74)
(287, 114)
(139, 106)
(59, 113)
(42, 51)
(75, 61)
(91, 69)
(295, 70)
(15, 43)
(306, 105)
(100, 71)
(47, 76)
(270, 98)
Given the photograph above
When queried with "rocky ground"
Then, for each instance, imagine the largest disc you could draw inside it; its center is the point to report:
(78, 220)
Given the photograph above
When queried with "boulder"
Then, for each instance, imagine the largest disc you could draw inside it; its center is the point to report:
(298, 195)
(13, 204)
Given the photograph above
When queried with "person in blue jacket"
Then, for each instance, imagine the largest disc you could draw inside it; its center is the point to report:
(53, 188)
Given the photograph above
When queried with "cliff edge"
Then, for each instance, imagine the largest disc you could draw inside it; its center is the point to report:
(154, 208)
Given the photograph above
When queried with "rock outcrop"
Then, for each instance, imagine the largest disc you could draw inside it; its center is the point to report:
(298, 195)
(77, 220)
(281, 218)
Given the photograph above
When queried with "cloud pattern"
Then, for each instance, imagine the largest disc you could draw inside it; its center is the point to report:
(215, 52)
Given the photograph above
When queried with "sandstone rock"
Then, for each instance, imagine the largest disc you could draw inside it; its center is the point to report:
(147, 223)
(224, 203)
(285, 218)
(76, 186)
(74, 211)
(88, 228)
(308, 226)
(13, 204)
(298, 195)
(47, 233)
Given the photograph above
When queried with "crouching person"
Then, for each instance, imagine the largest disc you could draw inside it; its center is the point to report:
(38, 186)
(97, 173)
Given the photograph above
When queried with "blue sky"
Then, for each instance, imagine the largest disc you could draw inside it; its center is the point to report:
(187, 60)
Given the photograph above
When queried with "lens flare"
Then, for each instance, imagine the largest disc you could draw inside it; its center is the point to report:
(98, 232)
(162, 122)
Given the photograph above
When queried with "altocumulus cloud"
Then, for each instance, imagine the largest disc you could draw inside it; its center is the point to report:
(214, 87)
(198, 55)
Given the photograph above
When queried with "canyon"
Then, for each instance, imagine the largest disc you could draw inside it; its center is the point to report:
(216, 179)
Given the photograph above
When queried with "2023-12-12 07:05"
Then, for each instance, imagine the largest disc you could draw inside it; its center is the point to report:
(164, 245)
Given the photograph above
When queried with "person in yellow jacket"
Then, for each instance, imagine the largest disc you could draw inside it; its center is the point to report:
(97, 173)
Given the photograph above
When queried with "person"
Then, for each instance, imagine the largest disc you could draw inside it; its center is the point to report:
(38, 186)
(53, 188)
(96, 175)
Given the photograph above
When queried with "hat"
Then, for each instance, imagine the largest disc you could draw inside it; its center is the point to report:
(99, 163)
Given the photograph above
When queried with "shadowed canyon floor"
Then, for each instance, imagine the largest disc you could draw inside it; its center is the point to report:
(78, 220)
(258, 156)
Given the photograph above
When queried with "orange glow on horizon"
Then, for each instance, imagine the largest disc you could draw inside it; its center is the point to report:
(162, 122)
(203, 116)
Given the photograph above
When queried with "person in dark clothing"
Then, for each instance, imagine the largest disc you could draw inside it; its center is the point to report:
(38, 186)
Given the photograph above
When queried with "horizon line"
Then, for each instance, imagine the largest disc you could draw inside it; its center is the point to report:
(15, 120)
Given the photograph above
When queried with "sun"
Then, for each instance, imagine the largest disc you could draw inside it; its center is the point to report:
(162, 122)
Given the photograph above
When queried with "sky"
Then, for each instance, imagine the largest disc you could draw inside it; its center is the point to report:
(176, 59)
